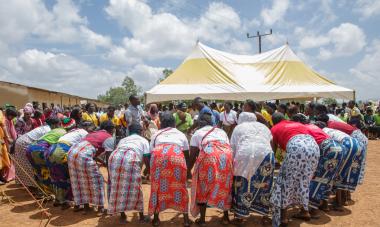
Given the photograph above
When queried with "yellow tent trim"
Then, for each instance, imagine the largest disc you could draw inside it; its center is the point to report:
(203, 71)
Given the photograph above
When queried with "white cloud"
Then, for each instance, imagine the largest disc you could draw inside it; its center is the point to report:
(146, 76)
(344, 40)
(276, 39)
(275, 13)
(216, 24)
(308, 42)
(164, 35)
(20, 19)
(367, 8)
(368, 68)
(347, 39)
(153, 35)
(93, 39)
(238, 46)
(59, 72)
(364, 76)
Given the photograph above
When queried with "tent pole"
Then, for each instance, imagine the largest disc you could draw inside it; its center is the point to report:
(354, 95)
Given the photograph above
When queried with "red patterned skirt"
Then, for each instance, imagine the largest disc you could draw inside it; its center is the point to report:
(168, 173)
(212, 177)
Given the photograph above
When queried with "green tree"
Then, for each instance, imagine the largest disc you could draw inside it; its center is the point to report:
(329, 101)
(166, 73)
(114, 96)
(120, 95)
(130, 87)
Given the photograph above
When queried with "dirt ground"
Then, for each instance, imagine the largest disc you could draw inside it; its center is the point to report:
(365, 212)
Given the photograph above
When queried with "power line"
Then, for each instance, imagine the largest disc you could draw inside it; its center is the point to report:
(259, 36)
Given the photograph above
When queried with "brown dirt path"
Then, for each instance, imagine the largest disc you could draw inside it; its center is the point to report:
(364, 213)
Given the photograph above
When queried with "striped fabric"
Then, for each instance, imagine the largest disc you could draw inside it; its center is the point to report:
(124, 184)
(85, 177)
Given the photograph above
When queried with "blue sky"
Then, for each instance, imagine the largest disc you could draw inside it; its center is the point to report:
(84, 47)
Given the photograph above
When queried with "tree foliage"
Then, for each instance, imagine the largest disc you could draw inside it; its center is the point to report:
(165, 73)
(114, 96)
(120, 95)
(329, 101)
(130, 87)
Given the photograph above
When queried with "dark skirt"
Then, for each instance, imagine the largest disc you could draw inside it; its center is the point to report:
(59, 172)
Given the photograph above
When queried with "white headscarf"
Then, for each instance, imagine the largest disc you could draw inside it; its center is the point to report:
(246, 117)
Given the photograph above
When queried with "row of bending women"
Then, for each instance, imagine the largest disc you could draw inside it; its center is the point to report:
(234, 175)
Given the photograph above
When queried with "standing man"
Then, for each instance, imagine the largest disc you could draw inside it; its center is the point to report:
(134, 113)
(214, 109)
(228, 119)
(203, 109)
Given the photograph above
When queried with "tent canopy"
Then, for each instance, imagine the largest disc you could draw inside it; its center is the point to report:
(213, 74)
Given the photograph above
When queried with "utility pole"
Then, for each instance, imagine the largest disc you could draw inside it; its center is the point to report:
(259, 36)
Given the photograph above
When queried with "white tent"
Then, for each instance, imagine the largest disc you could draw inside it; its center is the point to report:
(213, 74)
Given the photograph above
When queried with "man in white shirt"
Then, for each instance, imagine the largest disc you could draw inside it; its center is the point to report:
(228, 119)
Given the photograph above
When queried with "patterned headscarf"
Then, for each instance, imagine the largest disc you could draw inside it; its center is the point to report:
(28, 108)
(246, 117)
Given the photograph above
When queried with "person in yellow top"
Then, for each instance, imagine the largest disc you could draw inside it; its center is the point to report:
(110, 116)
(5, 162)
(267, 111)
(90, 114)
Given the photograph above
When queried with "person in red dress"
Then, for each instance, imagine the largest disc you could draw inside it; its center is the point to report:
(213, 172)
(168, 170)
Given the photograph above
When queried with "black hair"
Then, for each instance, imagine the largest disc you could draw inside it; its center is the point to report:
(323, 117)
(229, 104)
(111, 108)
(204, 120)
(11, 112)
(135, 129)
(283, 106)
(37, 114)
(277, 117)
(107, 125)
(167, 120)
(171, 106)
(87, 106)
(300, 118)
(252, 104)
(292, 110)
(132, 97)
(52, 121)
(321, 124)
(75, 114)
(272, 105)
(321, 109)
(352, 102)
(197, 100)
